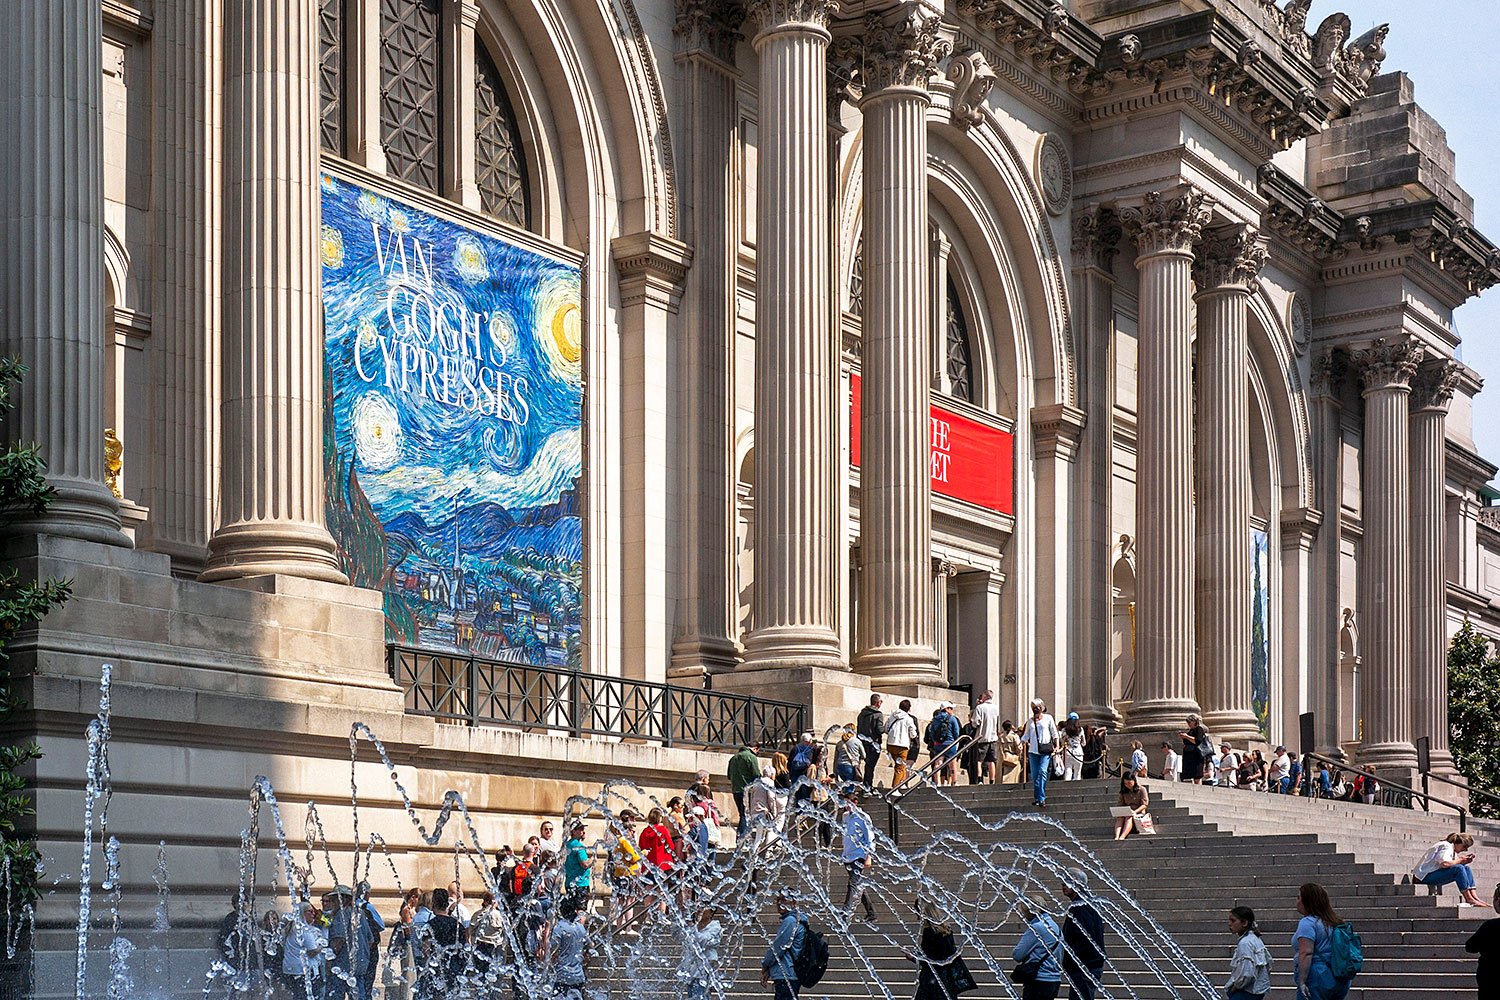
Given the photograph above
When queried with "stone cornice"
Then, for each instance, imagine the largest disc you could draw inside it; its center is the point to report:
(1096, 237)
(1168, 222)
(1299, 527)
(1432, 386)
(1298, 217)
(1468, 467)
(1229, 256)
(1451, 245)
(1388, 363)
(1043, 33)
(651, 268)
(1057, 429)
(1276, 92)
(128, 17)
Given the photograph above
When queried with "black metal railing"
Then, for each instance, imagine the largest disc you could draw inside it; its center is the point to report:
(483, 692)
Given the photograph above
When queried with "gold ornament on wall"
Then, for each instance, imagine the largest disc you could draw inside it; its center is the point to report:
(114, 461)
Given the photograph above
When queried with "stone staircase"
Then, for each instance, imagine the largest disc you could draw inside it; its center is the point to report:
(1219, 848)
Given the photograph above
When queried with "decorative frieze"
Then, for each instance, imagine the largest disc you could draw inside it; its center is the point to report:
(1232, 255)
(1168, 222)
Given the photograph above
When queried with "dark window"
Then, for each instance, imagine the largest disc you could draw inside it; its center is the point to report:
(331, 73)
(958, 359)
(857, 280)
(409, 33)
(500, 162)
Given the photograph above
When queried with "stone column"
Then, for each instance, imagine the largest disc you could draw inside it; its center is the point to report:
(362, 84)
(1096, 236)
(459, 20)
(271, 506)
(1229, 260)
(1056, 432)
(706, 609)
(186, 179)
(1431, 391)
(793, 603)
(896, 641)
(1165, 228)
(52, 265)
(1385, 581)
(1325, 699)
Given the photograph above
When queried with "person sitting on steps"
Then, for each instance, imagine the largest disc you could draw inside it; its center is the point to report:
(1448, 861)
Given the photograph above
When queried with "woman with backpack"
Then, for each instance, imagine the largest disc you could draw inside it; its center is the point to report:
(1197, 749)
(1250, 968)
(1327, 950)
(941, 973)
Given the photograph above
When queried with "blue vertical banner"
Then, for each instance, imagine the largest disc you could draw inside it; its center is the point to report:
(1260, 638)
(453, 428)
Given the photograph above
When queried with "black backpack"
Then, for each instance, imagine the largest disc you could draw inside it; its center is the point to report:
(812, 961)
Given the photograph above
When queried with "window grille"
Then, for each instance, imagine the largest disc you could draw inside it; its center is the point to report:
(959, 360)
(500, 161)
(409, 44)
(331, 74)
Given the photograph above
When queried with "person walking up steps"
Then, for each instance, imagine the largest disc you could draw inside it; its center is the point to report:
(1040, 740)
(1083, 933)
(870, 727)
(858, 855)
(901, 738)
(779, 966)
(986, 736)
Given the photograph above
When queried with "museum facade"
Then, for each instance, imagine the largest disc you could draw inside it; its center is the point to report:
(1101, 352)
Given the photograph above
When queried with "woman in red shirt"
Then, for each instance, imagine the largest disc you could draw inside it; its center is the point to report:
(657, 849)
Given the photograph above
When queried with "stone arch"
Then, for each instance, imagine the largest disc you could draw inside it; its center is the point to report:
(1285, 399)
(587, 93)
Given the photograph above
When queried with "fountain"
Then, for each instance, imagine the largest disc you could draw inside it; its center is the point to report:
(979, 883)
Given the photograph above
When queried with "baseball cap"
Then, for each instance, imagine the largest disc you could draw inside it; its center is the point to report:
(946, 704)
(699, 812)
(1072, 716)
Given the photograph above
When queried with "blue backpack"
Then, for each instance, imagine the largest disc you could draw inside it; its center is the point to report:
(801, 760)
(1346, 955)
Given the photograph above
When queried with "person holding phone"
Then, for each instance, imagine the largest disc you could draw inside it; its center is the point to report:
(1448, 861)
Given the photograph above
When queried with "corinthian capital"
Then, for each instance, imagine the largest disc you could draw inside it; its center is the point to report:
(709, 25)
(1388, 363)
(770, 15)
(1229, 256)
(1096, 237)
(1168, 221)
(1432, 387)
(1329, 370)
(901, 52)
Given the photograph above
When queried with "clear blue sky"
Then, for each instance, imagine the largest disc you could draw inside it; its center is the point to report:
(1449, 48)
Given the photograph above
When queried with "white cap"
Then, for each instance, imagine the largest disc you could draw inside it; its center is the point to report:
(698, 811)
(946, 704)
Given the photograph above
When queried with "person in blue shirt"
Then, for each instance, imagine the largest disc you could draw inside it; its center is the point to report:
(778, 967)
(1041, 942)
(1313, 946)
(354, 938)
(578, 867)
(858, 854)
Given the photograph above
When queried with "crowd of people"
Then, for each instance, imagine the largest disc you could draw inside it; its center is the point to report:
(529, 933)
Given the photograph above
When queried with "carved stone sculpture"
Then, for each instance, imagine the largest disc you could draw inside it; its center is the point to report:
(972, 80)
(1328, 42)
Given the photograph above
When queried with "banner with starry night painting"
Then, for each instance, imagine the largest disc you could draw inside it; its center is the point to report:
(453, 441)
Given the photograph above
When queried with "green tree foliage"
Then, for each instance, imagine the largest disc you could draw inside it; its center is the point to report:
(1474, 714)
(24, 493)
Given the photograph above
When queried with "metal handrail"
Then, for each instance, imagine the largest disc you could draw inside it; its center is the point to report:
(1459, 784)
(1427, 800)
(963, 743)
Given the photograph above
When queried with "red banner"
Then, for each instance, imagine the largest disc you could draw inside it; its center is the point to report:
(971, 461)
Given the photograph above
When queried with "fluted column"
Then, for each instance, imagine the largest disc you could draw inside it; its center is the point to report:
(1332, 716)
(1431, 391)
(271, 509)
(707, 608)
(52, 264)
(186, 178)
(1385, 556)
(896, 620)
(460, 18)
(793, 602)
(1096, 236)
(1165, 228)
(1228, 262)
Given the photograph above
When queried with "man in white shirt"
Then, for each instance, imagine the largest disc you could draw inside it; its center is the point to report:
(1281, 770)
(1040, 739)
(986, 734)
(1229, 765)
(901, 739)
(1172, 762)
(459, 911)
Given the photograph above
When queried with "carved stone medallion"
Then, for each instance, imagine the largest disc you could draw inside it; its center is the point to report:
(1054, 173)
(1299, 321)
